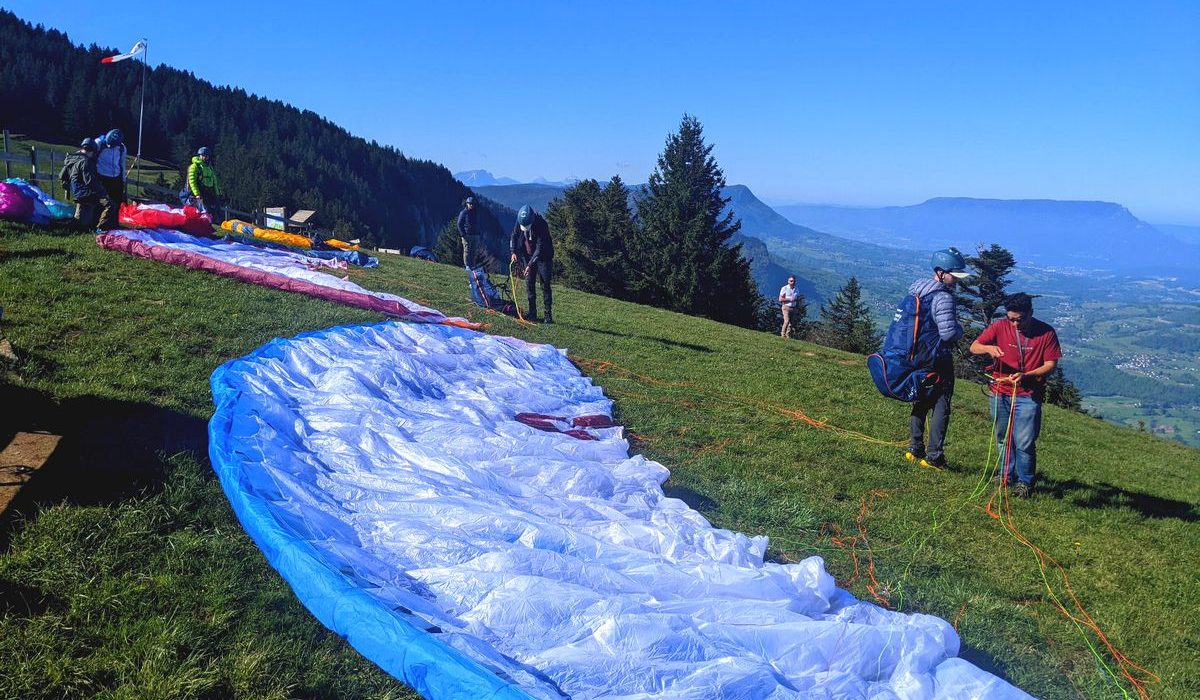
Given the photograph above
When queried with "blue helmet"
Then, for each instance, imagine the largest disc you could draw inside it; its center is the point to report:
(949, 260)
(203, 151)
(525, 216)
(114, 137)
(88, 145)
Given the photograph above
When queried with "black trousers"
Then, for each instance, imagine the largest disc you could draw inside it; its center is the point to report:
(212, 205)
(539, 270)
(114, 187)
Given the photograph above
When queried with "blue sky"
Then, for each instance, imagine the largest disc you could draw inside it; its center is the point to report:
(867, 103)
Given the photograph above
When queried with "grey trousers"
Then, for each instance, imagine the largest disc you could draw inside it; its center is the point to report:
(939, 404)
(470, 246)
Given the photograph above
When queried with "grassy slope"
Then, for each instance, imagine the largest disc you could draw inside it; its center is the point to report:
(142, 568)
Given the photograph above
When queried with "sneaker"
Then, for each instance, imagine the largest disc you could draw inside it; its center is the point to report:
(936, 463)
(912, 456)
(549, 319)
(1022, 490)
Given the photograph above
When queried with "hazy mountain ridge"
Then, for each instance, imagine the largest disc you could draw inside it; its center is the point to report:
(482, 178)
(1083, 234)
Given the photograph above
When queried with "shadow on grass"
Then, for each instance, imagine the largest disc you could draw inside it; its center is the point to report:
(983, 660)
(1102, 496)
(695, 500)
(109, 451)
(663, 341)
(34, 254)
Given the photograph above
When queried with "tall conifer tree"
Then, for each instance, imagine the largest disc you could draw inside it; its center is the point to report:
(979, 300)
(681, 257)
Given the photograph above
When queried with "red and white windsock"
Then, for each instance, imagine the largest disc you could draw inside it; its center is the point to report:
(137, 48)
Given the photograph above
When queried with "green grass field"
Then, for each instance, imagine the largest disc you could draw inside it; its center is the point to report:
(125, 574)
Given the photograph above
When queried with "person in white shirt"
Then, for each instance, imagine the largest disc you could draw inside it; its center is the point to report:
(789, 299)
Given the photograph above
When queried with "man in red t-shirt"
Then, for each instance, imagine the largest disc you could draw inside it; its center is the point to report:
(1025, 350)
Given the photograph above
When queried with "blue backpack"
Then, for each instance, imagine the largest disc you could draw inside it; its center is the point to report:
(485, 294)
(903, 369)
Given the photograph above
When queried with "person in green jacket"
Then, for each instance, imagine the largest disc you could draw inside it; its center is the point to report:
(202, 184)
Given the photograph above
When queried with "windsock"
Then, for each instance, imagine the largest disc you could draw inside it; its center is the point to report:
(137, 48)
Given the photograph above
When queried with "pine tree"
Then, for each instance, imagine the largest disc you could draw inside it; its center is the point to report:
(448, 248)
(987, 287)
(587, 255)
(680, 258)
(846, 322)
(980, 297)
(1061, 391)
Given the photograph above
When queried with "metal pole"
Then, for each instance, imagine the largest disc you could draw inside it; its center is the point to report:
(33, 164)
(142, 109)
(7, 165)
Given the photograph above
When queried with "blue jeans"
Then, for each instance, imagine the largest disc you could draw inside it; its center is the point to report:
(1027, 423)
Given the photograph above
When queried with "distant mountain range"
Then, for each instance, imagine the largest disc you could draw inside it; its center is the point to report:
(1098, 235)
(483, 178)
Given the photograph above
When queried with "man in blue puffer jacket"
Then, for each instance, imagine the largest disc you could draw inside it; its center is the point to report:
(110, 164)
(938, 293)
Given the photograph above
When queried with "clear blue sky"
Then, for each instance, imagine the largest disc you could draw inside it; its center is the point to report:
(847, 103)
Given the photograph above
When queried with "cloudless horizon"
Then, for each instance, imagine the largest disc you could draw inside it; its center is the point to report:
(872, 104)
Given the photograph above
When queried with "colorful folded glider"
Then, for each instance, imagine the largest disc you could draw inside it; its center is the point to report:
(275, 236)
(160, 216)
(15, 205)
(461, 508)
(287, 270)
(45, 207)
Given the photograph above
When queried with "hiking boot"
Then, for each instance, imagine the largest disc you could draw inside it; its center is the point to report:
(1022, 490)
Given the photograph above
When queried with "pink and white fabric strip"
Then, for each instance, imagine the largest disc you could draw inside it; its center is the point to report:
(278, 269)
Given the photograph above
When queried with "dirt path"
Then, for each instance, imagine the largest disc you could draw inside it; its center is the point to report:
(20, 459)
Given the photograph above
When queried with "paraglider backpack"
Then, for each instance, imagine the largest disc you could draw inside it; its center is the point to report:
(903, 369)
(485, 294)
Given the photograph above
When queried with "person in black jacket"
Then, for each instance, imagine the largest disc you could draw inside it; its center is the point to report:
(79, 177)
(468, 230)
(531, 243)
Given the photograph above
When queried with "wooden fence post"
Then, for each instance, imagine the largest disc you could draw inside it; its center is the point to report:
(52, 178)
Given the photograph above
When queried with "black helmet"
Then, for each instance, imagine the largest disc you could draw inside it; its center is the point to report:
(203, 151)
(88, 144)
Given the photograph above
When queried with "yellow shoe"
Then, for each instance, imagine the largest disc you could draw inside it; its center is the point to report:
(911, 457)
(938, 464)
